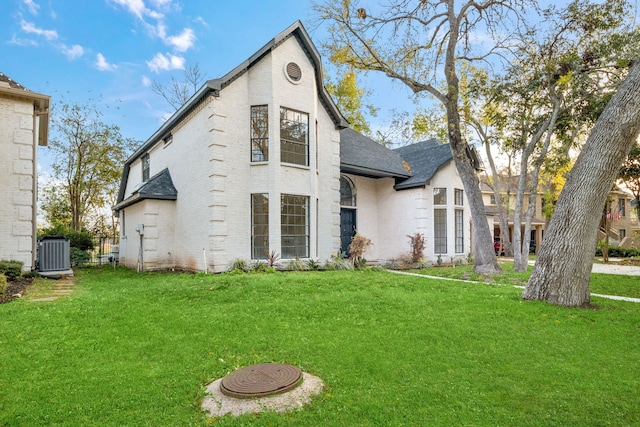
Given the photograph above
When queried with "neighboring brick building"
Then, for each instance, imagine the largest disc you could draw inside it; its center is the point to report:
(24, 121)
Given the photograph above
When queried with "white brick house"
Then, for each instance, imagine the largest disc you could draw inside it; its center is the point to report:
(24, 121)
(253, 163)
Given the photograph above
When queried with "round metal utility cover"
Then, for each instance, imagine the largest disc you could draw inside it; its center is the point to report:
(261, 380)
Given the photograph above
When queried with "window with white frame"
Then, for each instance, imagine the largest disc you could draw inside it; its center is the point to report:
(458, 197)
(459, 230)
(294, 137)
(146, 165)
(294, 226)
(259, 226)
(347, 192)
(440, 231)
(259, 133)
(439, 196)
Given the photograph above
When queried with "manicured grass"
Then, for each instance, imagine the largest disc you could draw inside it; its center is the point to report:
(605, 284)
(138, 349)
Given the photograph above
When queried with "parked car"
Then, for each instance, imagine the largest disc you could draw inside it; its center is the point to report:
(498, 246)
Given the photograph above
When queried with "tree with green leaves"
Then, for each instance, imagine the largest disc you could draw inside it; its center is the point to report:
(563, 267)
(630, 174)
(422, 44)
(88, 159)
(349, 97)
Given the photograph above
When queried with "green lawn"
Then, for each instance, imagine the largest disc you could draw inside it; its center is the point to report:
(129, 349)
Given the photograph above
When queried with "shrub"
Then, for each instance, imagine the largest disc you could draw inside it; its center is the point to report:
(11, 269)
(273, 258)
(78, 257)
(297, 265)
(259, 267)
(3, 283)
(417, 247)
(357, 248)
(618, 252)
(313, 265)
(239, 265)
(338, 262)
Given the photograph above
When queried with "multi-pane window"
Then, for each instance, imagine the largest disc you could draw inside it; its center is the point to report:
(259, 226)
(347, 192)
(145, 167)
(492, 199)
(259, 133)
(458, 196)
(623, 233)
(621, 207)
(294, 220)
(439, 196)
(459, 230)
(294, 137)
(440, 231)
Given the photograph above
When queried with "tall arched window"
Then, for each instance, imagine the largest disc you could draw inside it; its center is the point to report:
(347, 192)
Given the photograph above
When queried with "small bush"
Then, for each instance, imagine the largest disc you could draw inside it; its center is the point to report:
(239, 265)
(417, 247)
(3, 283)
(79, 257)
(618, 252)
(297, 265)
(273, 258)
(259, 267)
(338, 262)
(11, 269)
(357, 248)
(313, 265)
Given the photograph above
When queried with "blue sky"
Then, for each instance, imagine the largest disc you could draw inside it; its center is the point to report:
(77, 50)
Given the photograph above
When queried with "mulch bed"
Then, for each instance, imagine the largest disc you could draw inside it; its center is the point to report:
(15, 289)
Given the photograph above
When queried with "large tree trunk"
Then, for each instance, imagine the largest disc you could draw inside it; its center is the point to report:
(563, 268)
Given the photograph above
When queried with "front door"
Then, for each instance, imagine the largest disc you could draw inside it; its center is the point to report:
(347, 228)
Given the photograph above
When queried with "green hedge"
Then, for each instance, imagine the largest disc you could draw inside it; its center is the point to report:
(11, 269)
(3, 283)
(618, 252)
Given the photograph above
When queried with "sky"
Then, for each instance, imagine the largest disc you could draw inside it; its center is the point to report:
(82, 50)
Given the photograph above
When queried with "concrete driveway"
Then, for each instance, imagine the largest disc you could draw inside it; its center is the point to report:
(612, 268)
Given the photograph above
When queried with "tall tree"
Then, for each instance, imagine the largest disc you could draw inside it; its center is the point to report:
(630, 174)
(89, 155)
(349, 97)
(563, 267)
(177, 92)
(421, 44)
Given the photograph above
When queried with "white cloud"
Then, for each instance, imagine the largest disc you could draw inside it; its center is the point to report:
(29, 27)
(136, 7)
(73, 52)
(146, 81)
(183, 41)
(160, 62)
(32, 6)
(102, 64)
(201, 20)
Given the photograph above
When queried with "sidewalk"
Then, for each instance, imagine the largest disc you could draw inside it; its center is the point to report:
(605, 271)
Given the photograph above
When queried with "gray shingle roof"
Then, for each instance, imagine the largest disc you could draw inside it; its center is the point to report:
(158, 187)
(425, 159)
(360, 155)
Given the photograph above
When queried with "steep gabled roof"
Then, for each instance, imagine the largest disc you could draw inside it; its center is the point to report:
(425, 159)
(158, 187)
(360, 155)
(214, 87)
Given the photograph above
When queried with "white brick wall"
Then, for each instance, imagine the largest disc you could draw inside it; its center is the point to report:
(210, 163)
(16, 179)
(387, 216)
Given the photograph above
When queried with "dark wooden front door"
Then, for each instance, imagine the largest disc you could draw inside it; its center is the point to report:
(347, 228)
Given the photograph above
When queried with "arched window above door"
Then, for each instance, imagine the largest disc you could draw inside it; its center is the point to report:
(347, 192)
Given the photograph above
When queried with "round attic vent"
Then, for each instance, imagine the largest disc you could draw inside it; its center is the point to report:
(261, 380)
(293, 72)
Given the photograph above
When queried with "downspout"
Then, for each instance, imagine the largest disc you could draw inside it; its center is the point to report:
(34, 190)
